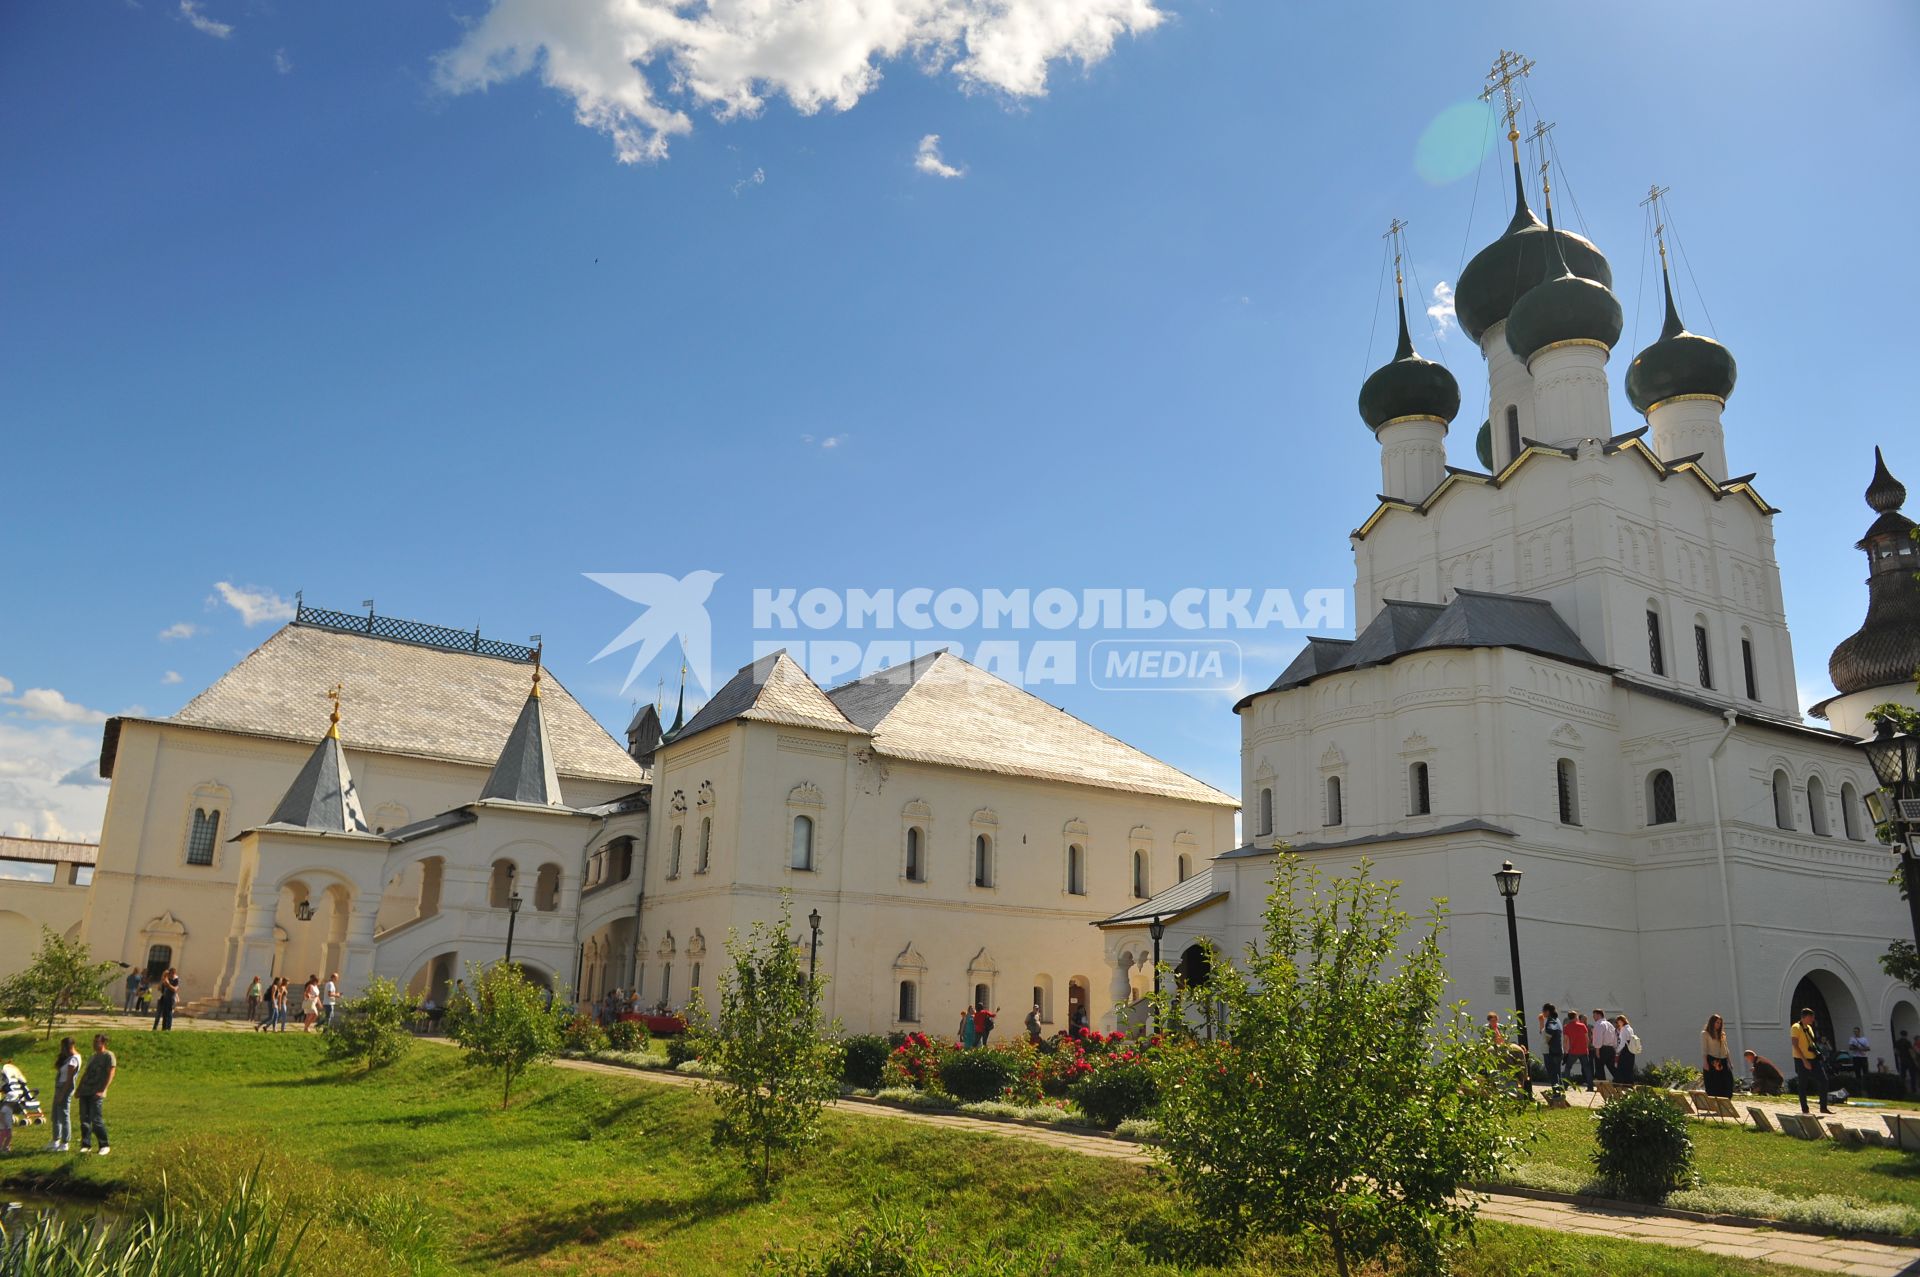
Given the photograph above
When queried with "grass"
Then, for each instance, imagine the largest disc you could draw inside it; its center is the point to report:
(415, 1169)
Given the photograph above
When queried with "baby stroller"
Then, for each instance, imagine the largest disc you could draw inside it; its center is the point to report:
(24, 1099)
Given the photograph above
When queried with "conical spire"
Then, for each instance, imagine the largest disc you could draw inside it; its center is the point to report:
(525, 772)
(679, 710)
(1885, 651)
(1886, 493)
(1673, 327)
(322, 797)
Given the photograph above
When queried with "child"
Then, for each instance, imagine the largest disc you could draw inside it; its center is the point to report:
(6, 1128)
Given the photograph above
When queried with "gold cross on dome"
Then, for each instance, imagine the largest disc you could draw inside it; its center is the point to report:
(1655, 194)
(1508, 69)
(1396, 232)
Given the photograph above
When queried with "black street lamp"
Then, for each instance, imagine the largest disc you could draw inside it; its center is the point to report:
(513, 911)
(1156, 929)
(1895, 757)
(1508, 880)
(813, 950)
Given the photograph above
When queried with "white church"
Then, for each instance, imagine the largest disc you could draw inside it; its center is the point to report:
(1575, 658)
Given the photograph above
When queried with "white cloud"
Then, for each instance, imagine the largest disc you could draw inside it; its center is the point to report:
(170, 677)
(756, 178)
(824, 442)
(47, 705)
(927, 159)
(179, 630)
(49, 783)
(190, 10)
(1441, 312)
(636, 68)
(282, 63)
(254, 604)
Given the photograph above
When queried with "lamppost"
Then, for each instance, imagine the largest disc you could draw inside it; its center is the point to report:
(304, 911)
(813, 950)
(1895, 757)
(1156, 929)
(513, 911)
(1508, 879)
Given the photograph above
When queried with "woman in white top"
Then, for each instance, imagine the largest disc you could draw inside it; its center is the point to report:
(66, 1068)
(310, 1003)
(1625, 1053)
(1716, 1069)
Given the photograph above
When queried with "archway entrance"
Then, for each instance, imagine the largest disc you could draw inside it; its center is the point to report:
(1834, 1012)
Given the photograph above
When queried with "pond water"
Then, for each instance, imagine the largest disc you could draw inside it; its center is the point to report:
(66, 1207)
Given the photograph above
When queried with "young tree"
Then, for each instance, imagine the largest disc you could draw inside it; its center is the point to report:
(374, 1029)
(774, 1065)
(62, 977)
(506, 1023)
(1343, 1100)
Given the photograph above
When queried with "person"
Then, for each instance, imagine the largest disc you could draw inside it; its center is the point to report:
(1495, 1034)
(1860, 1049)
(330, 994)
(133, 991)
(1716, 1069)
(1626, 1050)
(1605, 1038)
(1767, 1077)
(969, 1036)
(283, 995)
(310, 1004)
(983, 1023)
(143, 1001)
(169, 991)
(6, 1126)
(1033, 1025)
(95, 1078)
(66, 1071)
(1550, 1038)
(1904, 1061)
(253, 998)
(1076, 1019)
(1575, 1030)
(1808, 1069)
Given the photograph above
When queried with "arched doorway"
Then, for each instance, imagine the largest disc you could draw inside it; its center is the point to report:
(1834, 1010)
(1195, 968)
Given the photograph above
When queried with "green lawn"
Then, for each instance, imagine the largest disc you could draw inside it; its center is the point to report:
(594, 1174)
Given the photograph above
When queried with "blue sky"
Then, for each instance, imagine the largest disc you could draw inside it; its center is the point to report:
(294, 302)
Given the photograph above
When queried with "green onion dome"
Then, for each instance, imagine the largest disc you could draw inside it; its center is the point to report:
(1483, 445)
(1408, 387)
(1520, 260)
(1680, 363)
(1565, 309)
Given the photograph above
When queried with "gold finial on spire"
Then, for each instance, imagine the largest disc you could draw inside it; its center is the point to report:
(538, 648)
(333, 719)
(1508, 68)
(1655, 194)
(1394, 232)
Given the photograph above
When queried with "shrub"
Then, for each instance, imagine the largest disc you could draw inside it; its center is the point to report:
(1644, 1150)
(628, 1035)
(583, 1037)
(1113, 1093)
(507, 1024)
(864, 1062)
(374, 1029)
(916, 1063)
(680, 1051)
(894, 1244)
(1144, 1129)
(981, 1073)
(1675, 1075)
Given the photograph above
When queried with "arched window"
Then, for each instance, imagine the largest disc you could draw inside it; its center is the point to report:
(1782, 801)
(982, 860)
(696, 977)
(1567, 782)
(1513, 433)
(706, 844)
(1335, 815)
(1186, 866)
(983, 995)
(1076, 870)
(1701, 651)
(1419, 791)
(666, 983)
(1850, 810)
(1817, 806)
(916, 872)
(1662, 807)
(1140, 875)
(546, 889)
(1656, 648)
(202, 837)
(1747, 667)
(909, 1002)
(1266, 811)
(803, 842)
(159, 958)
(673, 858)
(500, 884)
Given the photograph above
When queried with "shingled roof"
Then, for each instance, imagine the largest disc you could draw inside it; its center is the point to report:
(402, 698)
(774, 689)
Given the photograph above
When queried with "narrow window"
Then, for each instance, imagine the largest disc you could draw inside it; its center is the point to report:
(666, 983)
(696, 976)
(982, 861)
(1662, 808)
(909, 1002)
(913, 854)
(706, 843)
(1700, 654)
(1782, 801)
(1139, 875)
(803, 842)
(1186, 866)
(673, 860)
(1568, 783)
(1817, 806)
(982, 995)
(206, 829)
(1419, 791)
(1746, 665)
(1513, 433)
(159, 958)
(1656, 652)
(1850, 810)
(1266, 811)
(1076, 870)
(1334, 813)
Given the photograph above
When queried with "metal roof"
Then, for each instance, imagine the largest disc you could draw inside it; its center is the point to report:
(1473, 826)
(322, 797)
(1182, 898)
(773, 689)
(525, 772)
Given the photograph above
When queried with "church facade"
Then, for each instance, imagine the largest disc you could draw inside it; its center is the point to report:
(1575, 657)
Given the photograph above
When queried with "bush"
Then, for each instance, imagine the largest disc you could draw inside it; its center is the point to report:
(1112, 1094)
(582, 1036)
(628, 1035)
(374, 1029)
(895, 1244)
(981, 1073)
(1644, 1150)
(680, 1051)
(864, 1061)
(1676, 1075)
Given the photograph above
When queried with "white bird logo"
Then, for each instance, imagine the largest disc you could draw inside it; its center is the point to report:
(676, 608)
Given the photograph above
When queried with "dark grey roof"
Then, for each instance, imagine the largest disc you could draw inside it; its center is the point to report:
(1751, 719)
(525, 772)
(1473, 826)
(867, 700)
(1473, 618)
(644, 732)
(638, 800)
(1196, 892)
(322, 796)
(432, 825)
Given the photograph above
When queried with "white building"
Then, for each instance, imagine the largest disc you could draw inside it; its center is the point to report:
(1576, 658)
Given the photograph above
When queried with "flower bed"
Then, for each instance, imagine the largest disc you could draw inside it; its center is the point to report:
(1105, 1074)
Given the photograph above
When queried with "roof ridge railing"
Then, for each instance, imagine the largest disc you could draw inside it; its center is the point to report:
(418, 633)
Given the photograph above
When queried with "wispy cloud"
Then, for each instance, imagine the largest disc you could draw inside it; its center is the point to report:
(823, 442)
(756, 178)
(636, 70)
(47, 705)
(1441, 311)
(254, 604)
(170, 677)
(927, 159)
(190, 10)
(49, 779)
(179, 630)
(282, 63)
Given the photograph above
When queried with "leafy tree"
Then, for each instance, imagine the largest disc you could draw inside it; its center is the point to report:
(1641, 1147)
(374, 1029)
(1338, 1098)
(62, 977)
(1902, 962)
(774, 1066)
(506, 1022)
